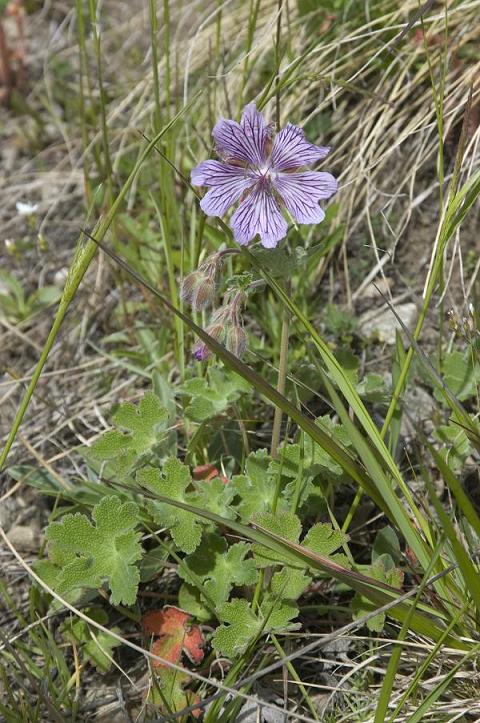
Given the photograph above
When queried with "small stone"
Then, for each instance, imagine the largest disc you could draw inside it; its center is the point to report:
(419, 408)
(60, 276)
(374, 288)
(24, 537)
(382, 324)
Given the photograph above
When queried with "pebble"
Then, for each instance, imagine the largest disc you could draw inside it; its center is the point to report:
(24, 537)
(383, 325)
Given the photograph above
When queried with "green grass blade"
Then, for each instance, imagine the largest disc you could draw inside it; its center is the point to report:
(83, 257)
(456, 487)
(435, 694)
(393, 663)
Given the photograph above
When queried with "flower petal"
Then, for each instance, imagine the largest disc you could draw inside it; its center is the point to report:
(301, 192)
(292, 150)
(244, 141)
(253, 124)
(259, 213)
(227, 185)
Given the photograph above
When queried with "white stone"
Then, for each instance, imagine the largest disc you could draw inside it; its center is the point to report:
(24, 537)
(382, 324)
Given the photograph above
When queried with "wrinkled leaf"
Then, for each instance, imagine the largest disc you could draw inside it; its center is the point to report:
(88, 554)
(172, 481)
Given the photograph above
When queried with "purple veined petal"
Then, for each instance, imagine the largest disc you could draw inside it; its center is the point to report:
(259, 213)
(227, 183)
(244, 141)
(292, 150)
(258, 133)
(301, 192)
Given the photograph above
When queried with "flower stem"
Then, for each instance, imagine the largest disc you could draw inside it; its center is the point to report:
(282, 364)
(282, 376)
(277, 62)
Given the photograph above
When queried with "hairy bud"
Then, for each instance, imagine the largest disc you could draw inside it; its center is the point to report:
(198, 289)
(201, 352)
(236, 340)
(217, 331)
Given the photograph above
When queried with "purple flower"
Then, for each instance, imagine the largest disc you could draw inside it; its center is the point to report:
(264, 175)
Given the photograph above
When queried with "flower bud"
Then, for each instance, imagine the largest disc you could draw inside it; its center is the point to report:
(236, 341)
(216, 330)
(198, 289)
(204, 294)
(201, 352)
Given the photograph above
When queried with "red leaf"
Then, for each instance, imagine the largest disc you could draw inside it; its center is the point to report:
(176, 634)
(207, 472)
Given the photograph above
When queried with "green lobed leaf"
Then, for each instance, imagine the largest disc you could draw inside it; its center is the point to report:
(138, 431)
(312, 460)
(190, 599)
(379, 570)
(373, 388)
(285, 524)
(211, 397)
(256, 488)
(242, 626)
(219, 567)
(277, 614)
(289, 584)
(456, 445)
(90, 554)
(172, 481)
(321, 539)
(461, 375)
(216, 496)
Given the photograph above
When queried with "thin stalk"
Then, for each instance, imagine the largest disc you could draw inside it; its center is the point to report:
(296, 678)
(299, 481)
(5, 71)
(83, 78)
(438, 99)
(166, 52)
(173, 290)
(352, 510)
(96, 35)
(282, 365)
(252, 22)
(154, 46)
(281, 381)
